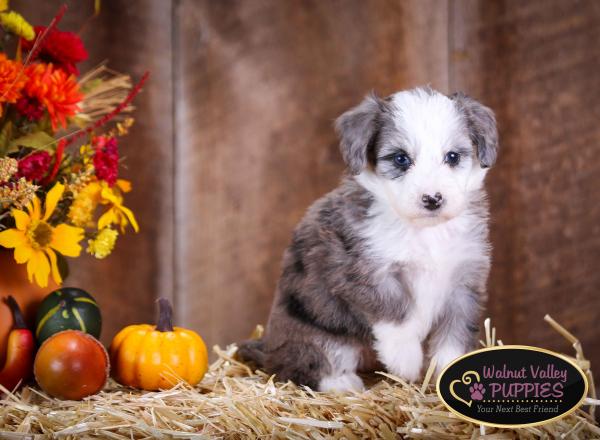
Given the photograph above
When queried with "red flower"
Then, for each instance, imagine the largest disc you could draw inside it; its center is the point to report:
(30, 108)
(106, 159)
(34, 166)
(63, 49)
(57, 91)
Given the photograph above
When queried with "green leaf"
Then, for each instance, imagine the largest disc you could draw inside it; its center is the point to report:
(40, 140)
(5, 135)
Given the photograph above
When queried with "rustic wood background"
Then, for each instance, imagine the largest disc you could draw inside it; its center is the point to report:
(234, 140)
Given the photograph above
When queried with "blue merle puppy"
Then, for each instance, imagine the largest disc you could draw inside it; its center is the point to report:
(391, 265)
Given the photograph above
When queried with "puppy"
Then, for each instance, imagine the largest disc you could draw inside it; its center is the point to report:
(396, 258)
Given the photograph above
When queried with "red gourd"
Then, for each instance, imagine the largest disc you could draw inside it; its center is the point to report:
(14, 282)
(20, 352)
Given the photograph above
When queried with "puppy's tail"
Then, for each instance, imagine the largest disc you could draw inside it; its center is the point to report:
(252, 350)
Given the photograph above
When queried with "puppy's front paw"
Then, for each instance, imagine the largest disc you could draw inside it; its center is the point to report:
(404, 360)
(399, 349)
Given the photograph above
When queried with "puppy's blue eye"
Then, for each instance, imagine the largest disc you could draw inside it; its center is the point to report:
(401, 160)
(452, 158)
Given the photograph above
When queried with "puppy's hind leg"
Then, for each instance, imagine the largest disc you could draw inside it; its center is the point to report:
(344, 360)
(252, 351)
(322, 367)
(302, 362)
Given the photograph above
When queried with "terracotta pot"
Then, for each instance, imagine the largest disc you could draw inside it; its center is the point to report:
(13, 281)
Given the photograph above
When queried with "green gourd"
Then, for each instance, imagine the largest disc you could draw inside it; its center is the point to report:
(67, 308)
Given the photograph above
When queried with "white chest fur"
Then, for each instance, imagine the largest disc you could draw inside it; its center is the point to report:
(432, 258)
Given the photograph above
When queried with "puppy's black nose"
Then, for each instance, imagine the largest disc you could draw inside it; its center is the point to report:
(432, 202)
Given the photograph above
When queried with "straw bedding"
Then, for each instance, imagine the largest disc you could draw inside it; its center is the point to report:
(235, 402)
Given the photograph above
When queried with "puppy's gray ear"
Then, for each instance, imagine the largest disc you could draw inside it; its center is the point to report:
(357, 129)
(482, 127)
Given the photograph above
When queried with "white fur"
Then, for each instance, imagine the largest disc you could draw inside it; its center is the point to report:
(344, 361)
(430, 245)
(446, 354)
(341, 383)
(399, 348)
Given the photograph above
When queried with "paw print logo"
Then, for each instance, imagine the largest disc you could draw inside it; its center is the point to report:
(477, 391)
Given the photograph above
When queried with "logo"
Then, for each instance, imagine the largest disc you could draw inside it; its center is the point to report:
(512, 386)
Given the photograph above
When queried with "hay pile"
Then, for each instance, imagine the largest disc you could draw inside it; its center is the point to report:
(235, 402)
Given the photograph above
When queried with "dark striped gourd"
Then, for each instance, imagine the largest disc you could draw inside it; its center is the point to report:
(68, 308)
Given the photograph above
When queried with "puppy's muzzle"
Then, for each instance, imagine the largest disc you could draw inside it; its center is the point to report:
(432, 203)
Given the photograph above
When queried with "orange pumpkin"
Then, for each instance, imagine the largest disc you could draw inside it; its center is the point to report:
(14, 282)
(158, 357)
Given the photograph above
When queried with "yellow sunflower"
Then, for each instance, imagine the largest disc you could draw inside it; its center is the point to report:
(35, 240)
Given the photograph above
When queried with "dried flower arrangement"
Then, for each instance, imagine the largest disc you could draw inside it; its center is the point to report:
(59, 156)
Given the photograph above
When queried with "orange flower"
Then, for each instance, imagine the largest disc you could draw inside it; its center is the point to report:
(10, 81)
(56, 90)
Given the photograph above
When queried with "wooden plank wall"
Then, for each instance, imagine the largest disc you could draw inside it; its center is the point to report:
(234, 141)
